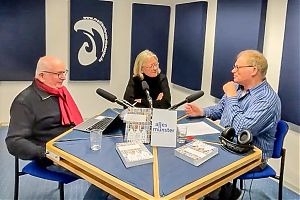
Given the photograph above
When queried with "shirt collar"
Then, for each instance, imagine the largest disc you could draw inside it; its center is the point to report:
(258, 87)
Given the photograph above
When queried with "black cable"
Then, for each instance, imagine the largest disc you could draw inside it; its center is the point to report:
(250, 188)
(244, 190)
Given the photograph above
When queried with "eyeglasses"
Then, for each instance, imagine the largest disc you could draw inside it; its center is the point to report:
(155, 65)
(238, 67)
(59, 74)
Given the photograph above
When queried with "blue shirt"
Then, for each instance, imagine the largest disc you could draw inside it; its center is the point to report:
(257, 110)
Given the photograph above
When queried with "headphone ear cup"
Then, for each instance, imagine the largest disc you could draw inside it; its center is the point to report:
(244, 137)
(228, 133)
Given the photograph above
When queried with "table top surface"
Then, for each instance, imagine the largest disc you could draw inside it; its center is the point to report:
(174, 173)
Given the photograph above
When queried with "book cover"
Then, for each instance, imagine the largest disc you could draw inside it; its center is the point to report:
(138, 125)
(134, 153)
(196, 152)
(164, 128)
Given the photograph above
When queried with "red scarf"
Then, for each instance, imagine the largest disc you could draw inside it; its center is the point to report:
(68, 109)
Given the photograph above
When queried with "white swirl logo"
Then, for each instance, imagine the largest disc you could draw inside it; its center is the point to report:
(87, 25)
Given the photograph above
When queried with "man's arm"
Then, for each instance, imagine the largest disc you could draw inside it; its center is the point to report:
(19, 138)
(215, 112)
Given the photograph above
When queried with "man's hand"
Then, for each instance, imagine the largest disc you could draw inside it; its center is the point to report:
(230, 89)
(193, 110)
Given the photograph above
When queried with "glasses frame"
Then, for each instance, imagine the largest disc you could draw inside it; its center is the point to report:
(59, 74)
(239, 67)
(152, 66)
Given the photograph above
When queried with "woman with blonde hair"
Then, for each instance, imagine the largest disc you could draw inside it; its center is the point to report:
(146, 68)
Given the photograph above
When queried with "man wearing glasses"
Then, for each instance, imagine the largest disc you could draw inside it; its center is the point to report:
(41, 112)
(248, 103)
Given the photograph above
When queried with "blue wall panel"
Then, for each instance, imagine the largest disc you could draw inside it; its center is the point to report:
(22, 38)
(90, 40)
(189, 37)
(240, 25)
(150, 30)
(289, 91)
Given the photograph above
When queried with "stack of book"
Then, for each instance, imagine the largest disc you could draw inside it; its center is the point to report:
(134, 153)
(196, 152)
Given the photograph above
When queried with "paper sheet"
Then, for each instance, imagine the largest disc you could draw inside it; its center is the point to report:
(199, 128)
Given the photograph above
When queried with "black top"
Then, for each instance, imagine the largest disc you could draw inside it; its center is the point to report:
(34, 120)
(156, 84)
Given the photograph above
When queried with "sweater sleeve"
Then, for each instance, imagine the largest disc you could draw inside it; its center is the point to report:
(19, 138)
(165, 102)
(129, 92)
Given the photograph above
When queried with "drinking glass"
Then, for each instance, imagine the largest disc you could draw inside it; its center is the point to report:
(96, 139)
(181, 134)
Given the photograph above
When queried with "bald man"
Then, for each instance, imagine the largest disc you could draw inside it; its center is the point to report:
(41, 112)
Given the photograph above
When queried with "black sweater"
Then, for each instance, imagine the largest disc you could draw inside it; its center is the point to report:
(157, 85)
(34, 120)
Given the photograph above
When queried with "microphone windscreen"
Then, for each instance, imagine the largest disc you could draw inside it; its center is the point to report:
(106, 95)
(145, 85)
(194, 96)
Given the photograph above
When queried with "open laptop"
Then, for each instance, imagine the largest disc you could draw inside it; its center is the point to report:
(107, 121)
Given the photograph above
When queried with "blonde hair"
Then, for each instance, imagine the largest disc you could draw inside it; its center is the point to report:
(140, 60)
(256, 59)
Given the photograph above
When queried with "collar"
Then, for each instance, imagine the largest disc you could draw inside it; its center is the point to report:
(44, 95)
(258, 87)
(255, 89)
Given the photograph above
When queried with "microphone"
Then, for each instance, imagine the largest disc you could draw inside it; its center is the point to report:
(112, 98)
(145, 87)
(188, 99)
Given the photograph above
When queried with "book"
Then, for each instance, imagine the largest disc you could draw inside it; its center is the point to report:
(134, 153)
(138, 125)
(196, 152)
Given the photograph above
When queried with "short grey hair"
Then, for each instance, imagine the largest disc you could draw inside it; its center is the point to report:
(256, 59)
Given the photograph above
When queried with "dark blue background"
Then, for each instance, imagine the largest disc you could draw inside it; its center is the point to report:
(289, 91)
(239, 26)
(150, 30)
(189, 40)
(22, 38)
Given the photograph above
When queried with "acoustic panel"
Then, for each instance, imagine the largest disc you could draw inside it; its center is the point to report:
(189, 40)
(240, 25)
(289, 91)
(150, 30)
(22, 38)
(90, 40)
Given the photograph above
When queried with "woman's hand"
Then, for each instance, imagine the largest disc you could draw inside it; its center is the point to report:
(138, 100)
(160, 96)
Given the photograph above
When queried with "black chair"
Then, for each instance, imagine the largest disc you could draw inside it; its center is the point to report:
(33, 169)
(278, 153)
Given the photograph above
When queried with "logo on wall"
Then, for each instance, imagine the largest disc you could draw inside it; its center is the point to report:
(88, 54)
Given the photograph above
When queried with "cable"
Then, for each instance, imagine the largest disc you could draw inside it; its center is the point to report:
(244, 190)
(250, 188)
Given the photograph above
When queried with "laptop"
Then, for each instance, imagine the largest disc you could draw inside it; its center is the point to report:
(106, 121)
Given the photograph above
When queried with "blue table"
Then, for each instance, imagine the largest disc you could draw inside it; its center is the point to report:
(167, 177)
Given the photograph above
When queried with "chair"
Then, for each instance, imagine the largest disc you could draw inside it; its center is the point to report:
(33, 169)
(278, 152)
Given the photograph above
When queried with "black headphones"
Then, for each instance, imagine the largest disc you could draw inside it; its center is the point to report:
(243, 144)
